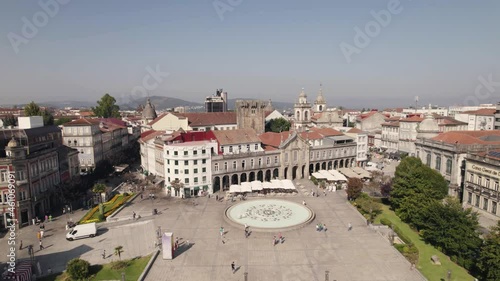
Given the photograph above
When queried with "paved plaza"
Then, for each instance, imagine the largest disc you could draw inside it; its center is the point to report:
(359, 254)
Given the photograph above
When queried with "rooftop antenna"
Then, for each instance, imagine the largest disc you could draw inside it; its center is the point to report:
(416, 104)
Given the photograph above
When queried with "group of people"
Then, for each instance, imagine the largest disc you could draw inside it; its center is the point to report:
(321, 227)
(247, 231)
(278, 240)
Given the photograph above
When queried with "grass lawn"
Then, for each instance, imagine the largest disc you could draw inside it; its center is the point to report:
(426, 251)
(105, 272)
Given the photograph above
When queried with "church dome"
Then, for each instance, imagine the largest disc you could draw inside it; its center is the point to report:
(149, 111)
(302, 94)
(13, 143)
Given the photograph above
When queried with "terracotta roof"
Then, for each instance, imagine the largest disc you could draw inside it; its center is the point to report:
(199, 119)
(272, 141)
(326, 132)
(193, 136)
(355, 130)
(83, 122)
(397, 109)
(86, 113)
(412, 119)
(390, 119)
(469, 137)
(391, 124)
(369, 114)
(311, 135)
(482, 111)
(450, 122)
(239, 136)
(114, 121)
(151, 134)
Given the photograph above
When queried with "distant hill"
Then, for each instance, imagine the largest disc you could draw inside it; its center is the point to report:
(160, 103)
(63, 104)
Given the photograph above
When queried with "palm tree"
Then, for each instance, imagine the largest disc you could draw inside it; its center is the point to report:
(119, 251)
(99, 188)
(177, 184)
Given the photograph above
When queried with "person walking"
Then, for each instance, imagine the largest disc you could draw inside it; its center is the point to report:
(41, 234)
(349, 227)
(41, 245)
(103, 254)
(221, 230)
(274, 240)
(21, 245)
(133, 215)
(233, 267)
(50, 218)
(38, 235)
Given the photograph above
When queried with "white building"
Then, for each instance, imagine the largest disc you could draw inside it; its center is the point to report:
(390, 136)
(478, 120)
(361, 139)
(454, 109)
(408, 134)
(442, 111)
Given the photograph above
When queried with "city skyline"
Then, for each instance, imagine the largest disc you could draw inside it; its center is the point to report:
(441, 52)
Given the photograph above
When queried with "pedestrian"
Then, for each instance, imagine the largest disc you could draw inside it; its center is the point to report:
(349, 227)
(233, 267)
(41, 233)
(303, 202)
(217, 197)
(49, 270)
(50, 217)
(281, 239)
(30, 250)
(221, 230)
(38, 235)
(64, 211)
(46, 218)
(274, 240)
(133, 215)
(324, 192)
(21, 245)
(41, 245)
(141, 196)
(103, 254)
(324, 227)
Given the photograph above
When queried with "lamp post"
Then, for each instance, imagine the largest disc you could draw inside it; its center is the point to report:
(245, 276)
(327, 275)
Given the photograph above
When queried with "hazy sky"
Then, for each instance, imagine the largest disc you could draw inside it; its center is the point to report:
(251, 48)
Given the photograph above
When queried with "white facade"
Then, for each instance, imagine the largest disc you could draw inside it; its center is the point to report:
(408, 136)
(361, 147)
(190, 163)
(29, 122)
(87, 139)
(390, 136)
(477, 122)
(443, 111)
(455, 109)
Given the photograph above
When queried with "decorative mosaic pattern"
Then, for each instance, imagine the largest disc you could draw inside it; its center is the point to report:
(268, 212)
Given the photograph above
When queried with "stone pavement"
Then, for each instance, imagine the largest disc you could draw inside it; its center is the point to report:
(360, 254)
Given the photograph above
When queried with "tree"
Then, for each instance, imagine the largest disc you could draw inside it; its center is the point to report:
(62, 120)
(97, 189)
(354, 188)
(78, 269)
(489, 258)
(32, 109)
(119, 251)
(278, 125)
(177, 185)
(9, 120)
(385, 188)
(448, 227)
(106, 107)
(415, 186)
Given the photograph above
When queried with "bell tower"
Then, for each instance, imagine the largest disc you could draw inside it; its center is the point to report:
(302, 111)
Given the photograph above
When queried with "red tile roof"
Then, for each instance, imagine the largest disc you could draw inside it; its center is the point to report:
(83, 122)
(469, 137)
(412, 119)
(355, 131)
(391, 124)
(199, 119)
(151, 134)
(482, 111)
(327, 132)
(239, 136)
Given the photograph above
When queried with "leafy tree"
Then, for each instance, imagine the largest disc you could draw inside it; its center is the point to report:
(489, 258)
(278, 125)
(97, 189)
(10, 120)
(102, 169)
(448, 227)
(78, 269)
(106, 107)
(32, 109)
(119, 251)
(385, 188)
(354, 188)
(62, 120)
(177, 185)
(415, 186)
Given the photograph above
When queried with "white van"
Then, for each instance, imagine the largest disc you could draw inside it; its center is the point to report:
(82, 231)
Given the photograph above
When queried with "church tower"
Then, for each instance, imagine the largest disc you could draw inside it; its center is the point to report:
(320, 103)
(148, 113)
(302, 111)
(250, 114)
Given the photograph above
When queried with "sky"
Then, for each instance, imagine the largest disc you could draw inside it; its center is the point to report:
(372, 53)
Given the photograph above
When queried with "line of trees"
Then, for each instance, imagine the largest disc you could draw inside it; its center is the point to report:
(419, 198)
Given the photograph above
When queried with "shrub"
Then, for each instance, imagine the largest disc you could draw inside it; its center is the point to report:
(101, 217)
(385, 221)
(117, 265)
(78, 269)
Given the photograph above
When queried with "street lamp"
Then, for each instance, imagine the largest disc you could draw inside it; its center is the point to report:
(327, 275)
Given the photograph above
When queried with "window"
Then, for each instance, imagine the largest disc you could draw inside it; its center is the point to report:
(485, 204)
(176, 171)
(234, 165)
(176, 162)
(186, 162)
(168, 161)
(243, 164)
(195, 171)
(196, 180)
(479, 180)
(4, 177)
(494, 207)
(186, 180)
(487, 185)
(448, 166)
(203, 151)
(230, 148)
(203, 161)
(471, 177)
(195, 152)
(268, 160)
(185, 153)
(260, 162)
(477, 201)
(495, 187)
(204, 179)
(317, 154)
(216, 167)
(176, 153)
(428, 160)
(295, 155)
(469, 198)
(168, 152)
(195, 162)
(248, 147)
(222, 149)
(438, 163)
(275, 159)
(324, 154)
(312, 155)
(203, 170)
(239, 148)
(168, 170)
(186, 171)
(251, 163)
(256, 146)
(225, 166)
(286, 157)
